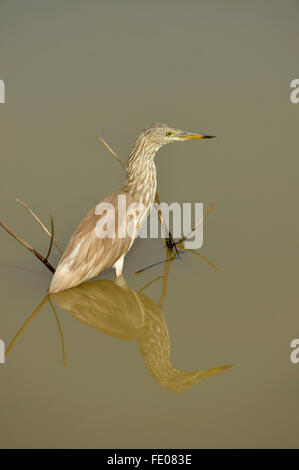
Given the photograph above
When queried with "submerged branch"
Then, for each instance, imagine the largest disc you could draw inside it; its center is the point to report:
(29, 247)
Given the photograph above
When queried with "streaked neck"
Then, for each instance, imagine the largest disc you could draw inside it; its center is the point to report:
(141, 170)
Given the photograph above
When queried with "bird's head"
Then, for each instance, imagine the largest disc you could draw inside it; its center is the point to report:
(157, 135)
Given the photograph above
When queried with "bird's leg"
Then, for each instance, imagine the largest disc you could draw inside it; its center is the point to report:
(120, 281)
(167, 234)
(118, 266)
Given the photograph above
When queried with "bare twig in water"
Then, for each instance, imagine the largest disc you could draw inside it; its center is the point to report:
(185, 237)
(179, 245)
(112, 151)
(39, 221)
(29, 247)
(181, 250)
(170, 257)
(52, 237)
(157, 264)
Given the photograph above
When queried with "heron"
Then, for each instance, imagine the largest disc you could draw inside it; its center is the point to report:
(94, 247)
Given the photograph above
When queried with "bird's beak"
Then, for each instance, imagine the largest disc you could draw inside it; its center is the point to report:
(195, 135)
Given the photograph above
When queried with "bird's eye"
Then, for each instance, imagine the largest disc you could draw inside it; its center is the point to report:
(169, 134)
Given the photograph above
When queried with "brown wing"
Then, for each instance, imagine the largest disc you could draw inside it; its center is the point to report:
(87, 255)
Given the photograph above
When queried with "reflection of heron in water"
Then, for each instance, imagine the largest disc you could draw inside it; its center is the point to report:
(122, 312)
(119, 311)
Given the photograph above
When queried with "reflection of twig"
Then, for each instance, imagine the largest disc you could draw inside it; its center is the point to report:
(204, 258)
(29, 247)
(39, 221)
(169, 258)
(112, 151)
(52, 237)
(165, 275)
(32, 316)
(60, 331)
(150, 283)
